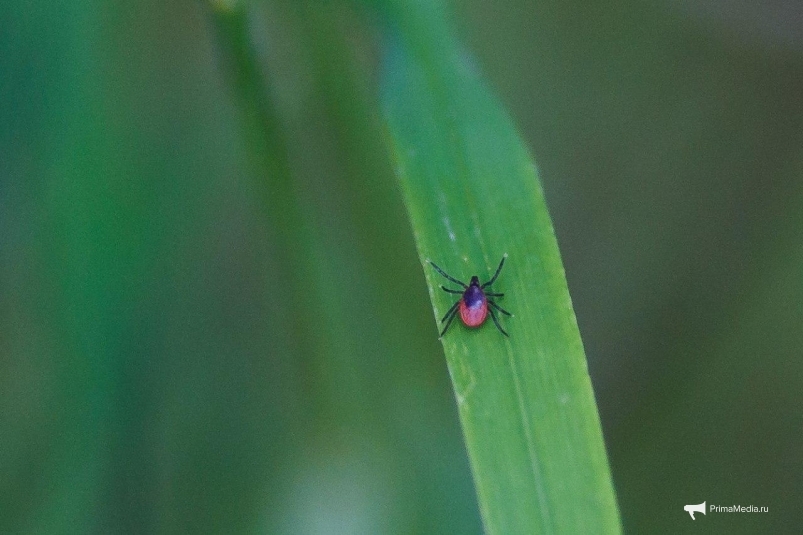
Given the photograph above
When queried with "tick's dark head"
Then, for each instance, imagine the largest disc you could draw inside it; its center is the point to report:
(475, 281)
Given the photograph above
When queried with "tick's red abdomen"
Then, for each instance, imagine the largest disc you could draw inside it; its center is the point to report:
(473, 307)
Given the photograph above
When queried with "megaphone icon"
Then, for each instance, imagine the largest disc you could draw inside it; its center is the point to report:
(699, 508)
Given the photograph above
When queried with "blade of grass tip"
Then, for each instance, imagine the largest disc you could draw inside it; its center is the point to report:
(525, 402)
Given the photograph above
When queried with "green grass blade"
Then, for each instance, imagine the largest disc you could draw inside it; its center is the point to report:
(525, 402)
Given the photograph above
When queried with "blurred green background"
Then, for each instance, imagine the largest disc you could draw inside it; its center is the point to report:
(199, 335)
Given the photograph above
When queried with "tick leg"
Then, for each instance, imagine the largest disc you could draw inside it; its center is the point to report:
(489, 294)
(451, 311)
(445, 289)
(451, 318)
(497, 307)
(502, 263)
(442, 272)
(496, 322)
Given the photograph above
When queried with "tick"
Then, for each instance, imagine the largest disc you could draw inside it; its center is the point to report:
(473, 302)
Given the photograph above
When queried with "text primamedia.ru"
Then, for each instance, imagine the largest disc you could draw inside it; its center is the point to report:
(737, 509)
